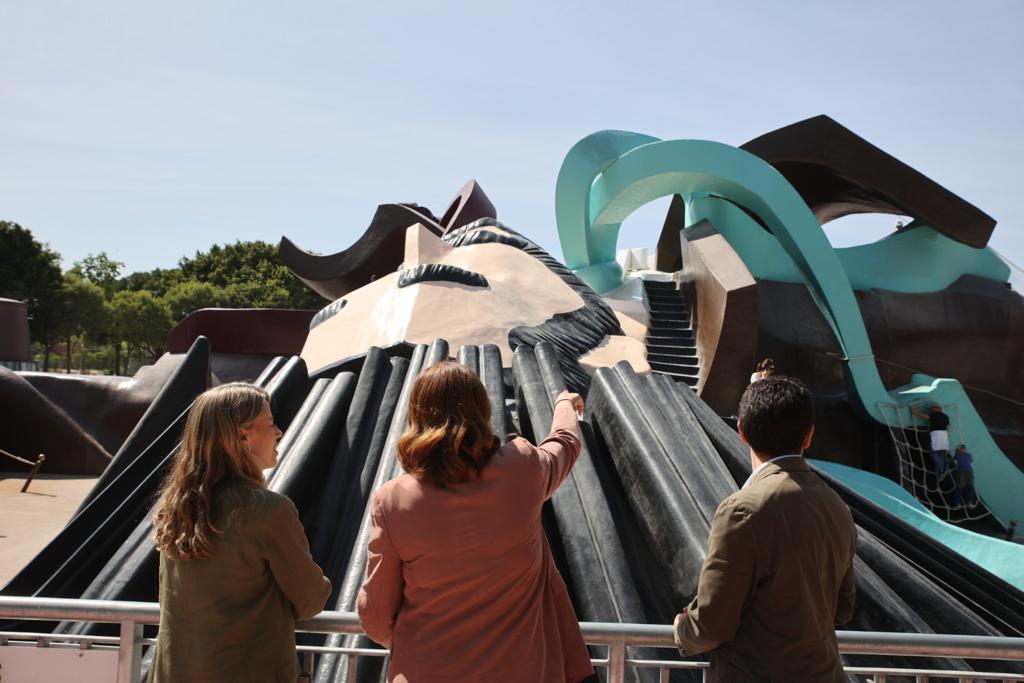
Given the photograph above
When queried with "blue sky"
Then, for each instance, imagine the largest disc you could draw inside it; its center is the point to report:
(152, 130)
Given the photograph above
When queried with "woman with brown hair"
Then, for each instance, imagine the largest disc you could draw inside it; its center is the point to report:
(235, 568)
(766, 368)
(460, 582)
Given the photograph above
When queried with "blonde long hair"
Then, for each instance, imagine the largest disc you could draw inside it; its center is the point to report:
(449, 436)
(211, 453)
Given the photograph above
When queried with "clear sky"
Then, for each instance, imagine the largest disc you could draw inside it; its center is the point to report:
(152, 130)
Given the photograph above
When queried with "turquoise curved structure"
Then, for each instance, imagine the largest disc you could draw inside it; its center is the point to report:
(1002, 558)
(608, 175)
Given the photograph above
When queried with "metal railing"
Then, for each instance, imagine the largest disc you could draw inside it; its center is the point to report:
(132, 616)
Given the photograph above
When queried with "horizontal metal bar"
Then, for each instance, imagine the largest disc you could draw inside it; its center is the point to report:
(666, 664)
(929, 644)
(650, 635)
(66, 609)
(935, 673)
(358, 651)
(55, 639)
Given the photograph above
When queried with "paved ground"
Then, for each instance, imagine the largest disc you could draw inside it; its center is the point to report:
(29, 520)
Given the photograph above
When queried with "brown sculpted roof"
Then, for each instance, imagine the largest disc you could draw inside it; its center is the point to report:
(838, 173)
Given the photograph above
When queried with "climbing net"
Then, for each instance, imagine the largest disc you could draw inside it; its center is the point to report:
(917, 471)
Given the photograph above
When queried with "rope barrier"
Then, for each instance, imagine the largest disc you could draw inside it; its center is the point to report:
(12, 455)
(840, 357)
(40, 459)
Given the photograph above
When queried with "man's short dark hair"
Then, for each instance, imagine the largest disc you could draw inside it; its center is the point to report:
(776, 413)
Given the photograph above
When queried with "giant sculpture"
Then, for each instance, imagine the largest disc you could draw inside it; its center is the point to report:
(751, 272)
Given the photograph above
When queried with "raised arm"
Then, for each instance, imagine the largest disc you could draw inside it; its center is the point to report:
(286, 550)
(559, 451)
(381, 593)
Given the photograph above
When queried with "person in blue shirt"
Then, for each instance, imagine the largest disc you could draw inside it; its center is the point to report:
(964, 493)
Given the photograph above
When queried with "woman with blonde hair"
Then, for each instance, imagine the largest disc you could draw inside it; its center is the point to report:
(235, 568)
(460, 581)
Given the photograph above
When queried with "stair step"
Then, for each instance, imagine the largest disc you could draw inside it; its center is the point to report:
(671, 342)
(657, 284)
(679, 318)
(672, 359)
(676, 344)
(659, 309)
(675, 365)
(691, 380)
(664, 298)
(684, 337)
(668, 352)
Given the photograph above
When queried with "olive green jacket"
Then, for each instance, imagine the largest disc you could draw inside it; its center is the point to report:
(777, 580)
(231, 617)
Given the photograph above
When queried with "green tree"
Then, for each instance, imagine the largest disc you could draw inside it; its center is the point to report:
(253, 274)
(138, 321)
(191, 295)
(158, 281)
(30, 272)
(82, 312)
(101, 270)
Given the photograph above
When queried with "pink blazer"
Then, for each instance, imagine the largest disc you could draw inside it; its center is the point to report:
(460, 582)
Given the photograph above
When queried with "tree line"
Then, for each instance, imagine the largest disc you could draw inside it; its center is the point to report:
(93, 316)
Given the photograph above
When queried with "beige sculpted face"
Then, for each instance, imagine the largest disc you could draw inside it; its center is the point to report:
(511, 289)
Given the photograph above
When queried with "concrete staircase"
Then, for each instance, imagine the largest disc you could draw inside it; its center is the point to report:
(671, 341)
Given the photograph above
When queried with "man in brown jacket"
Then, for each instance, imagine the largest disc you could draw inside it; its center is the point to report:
(778, 576)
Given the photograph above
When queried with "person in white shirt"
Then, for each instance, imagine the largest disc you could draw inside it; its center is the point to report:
(766, 368)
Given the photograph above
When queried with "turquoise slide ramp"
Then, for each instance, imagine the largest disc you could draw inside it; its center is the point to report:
(1002, 558)
(608, 175)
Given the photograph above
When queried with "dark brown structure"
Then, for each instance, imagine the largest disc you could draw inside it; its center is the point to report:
(669, 255)
(469, 205)
(105, 408)
(30, 424)
(242, 340)
(381, 248)
(839, 173)
(937, 333)
(377, 252)
(722, 295)
(14, 341)
(258, 331)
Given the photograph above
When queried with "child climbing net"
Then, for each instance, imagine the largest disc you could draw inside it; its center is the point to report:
(917, 473)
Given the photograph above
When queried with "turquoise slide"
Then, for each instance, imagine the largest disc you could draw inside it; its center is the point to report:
(608, 175)
(1002, 558)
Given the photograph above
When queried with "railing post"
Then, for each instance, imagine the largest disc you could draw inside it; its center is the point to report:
(129, 653)
(617, 661)
(307, 664)
(40, 459)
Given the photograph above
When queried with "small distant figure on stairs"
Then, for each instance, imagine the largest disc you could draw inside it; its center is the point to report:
(938, 426)
(965, 494)
(766, 368)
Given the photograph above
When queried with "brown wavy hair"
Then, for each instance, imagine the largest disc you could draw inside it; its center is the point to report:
(449, 438)
(210, 455)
